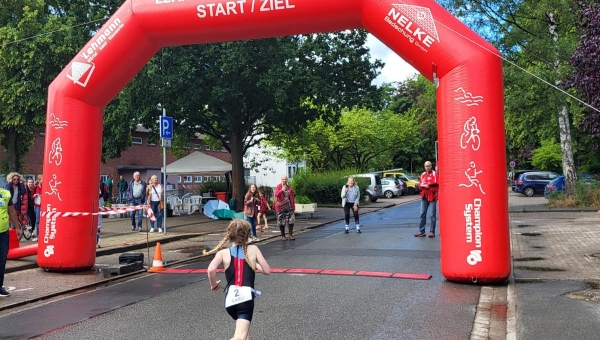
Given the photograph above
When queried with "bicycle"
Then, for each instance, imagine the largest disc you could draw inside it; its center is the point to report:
(25, 226)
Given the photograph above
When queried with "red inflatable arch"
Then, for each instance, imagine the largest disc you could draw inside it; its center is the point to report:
(473, 196)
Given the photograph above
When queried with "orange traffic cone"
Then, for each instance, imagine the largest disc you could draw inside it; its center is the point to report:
(157, 263)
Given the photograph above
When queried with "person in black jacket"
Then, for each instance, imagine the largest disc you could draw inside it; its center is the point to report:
(15, 184)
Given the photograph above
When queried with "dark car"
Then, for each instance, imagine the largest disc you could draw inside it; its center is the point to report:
(514, 176)
(558, 184)
(531, 183)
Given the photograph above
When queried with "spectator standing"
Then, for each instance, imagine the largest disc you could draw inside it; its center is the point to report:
(109, 182)
(285, 207)
(251, 205)
(101, 195)
(429, 195)
(30, 193)
(137, 196)
(37, 203)
(7, 213)
(122, 186)
(17, 192)
(156, 198)
(350, 200)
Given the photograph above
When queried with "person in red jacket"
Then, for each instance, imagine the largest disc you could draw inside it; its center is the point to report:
(285, 207)
(429, 195)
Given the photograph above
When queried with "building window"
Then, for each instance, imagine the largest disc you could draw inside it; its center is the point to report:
(206, 178)
(198, 179)
(178, 179)
(196, 146)
(187, 179)
(216, 178)
(137, 140)
(207, 148)
(103, 177)
(224, 179)
(291, 171)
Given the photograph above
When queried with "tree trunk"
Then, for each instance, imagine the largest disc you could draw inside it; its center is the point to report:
(236, 144)
(10, 143)
(568, 164)
(564, 125)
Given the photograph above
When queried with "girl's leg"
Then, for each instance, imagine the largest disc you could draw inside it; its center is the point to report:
(258, 221)
(291, 230)
(266, 222)
(242, 329)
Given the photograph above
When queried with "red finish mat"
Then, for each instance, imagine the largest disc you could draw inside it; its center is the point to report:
(410, 276)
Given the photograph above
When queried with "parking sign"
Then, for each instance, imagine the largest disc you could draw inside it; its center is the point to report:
(166, 127)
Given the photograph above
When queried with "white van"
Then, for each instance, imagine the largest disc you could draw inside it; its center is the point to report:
(374, 190)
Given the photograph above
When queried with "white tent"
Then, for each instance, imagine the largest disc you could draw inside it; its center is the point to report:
(197, 162)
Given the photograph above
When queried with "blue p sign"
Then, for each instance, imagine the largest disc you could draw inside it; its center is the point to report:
(166, 127)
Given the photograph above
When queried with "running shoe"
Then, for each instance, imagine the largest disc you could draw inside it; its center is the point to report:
(4, 293)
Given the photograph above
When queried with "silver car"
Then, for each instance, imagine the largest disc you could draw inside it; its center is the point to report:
(392, 187)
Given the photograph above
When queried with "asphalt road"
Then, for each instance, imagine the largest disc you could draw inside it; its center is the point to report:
(293, 306)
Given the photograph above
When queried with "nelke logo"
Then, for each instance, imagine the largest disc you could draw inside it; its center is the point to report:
(80, 73)
(415, 23)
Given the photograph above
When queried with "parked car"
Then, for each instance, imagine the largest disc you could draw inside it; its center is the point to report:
(558, 184)
(373, 192)
(514, 176)
(412, 184)
(392, 187)
(531, 183)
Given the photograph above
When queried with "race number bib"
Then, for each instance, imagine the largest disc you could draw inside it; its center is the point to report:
(237, 294)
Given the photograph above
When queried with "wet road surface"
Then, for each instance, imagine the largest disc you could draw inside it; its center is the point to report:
(293, 306)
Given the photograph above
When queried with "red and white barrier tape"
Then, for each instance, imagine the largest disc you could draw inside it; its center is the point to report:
(103, 211)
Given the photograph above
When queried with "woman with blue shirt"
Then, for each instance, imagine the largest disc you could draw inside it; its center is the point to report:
(350, 199)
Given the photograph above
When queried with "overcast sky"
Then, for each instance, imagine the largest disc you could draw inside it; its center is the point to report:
(395, 68)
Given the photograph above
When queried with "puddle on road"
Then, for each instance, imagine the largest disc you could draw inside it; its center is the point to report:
(526, 225)
(537, 258)
(592, 293)
(539, 269)
(530, 234)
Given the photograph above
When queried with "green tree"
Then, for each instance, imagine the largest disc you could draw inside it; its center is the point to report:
(37, 40)
(548, 156)
(239, 93)
(361, 139)
(415, 99)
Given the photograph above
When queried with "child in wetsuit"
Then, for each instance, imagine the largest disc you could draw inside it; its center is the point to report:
(241, 262)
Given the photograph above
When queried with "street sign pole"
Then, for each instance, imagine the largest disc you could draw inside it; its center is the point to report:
(164, 180)
(166, 133)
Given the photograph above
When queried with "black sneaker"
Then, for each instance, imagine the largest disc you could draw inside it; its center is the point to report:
(132, 228)
(4, 293)
(347, 231)
(358, 231)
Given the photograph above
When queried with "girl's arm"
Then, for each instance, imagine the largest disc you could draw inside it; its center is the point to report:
(262, 263)
(212, 271)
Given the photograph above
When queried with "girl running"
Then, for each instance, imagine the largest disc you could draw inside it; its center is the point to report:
(241, 261)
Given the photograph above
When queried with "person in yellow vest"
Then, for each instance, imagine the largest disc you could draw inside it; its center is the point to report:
(7, 213)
